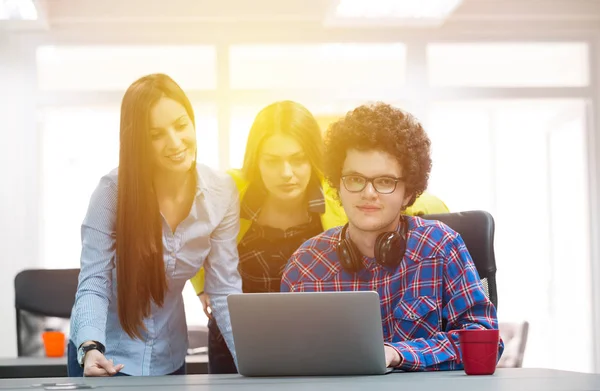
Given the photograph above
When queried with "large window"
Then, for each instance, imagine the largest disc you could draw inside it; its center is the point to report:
(351, 69)
(524, 160)
(114, 68)
(509, 64)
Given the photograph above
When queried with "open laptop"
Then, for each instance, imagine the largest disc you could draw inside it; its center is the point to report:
(308, 334)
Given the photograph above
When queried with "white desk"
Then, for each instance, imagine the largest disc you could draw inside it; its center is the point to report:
(37, 367)
(502, 380)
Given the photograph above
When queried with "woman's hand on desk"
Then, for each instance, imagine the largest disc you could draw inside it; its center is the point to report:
(95, 364)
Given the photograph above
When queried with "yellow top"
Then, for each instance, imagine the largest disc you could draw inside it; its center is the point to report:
(334, 215)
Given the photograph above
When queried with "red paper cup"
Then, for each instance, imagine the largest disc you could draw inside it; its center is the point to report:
(54, 343)
(478, 350)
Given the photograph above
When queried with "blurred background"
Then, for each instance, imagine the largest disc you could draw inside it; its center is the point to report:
(508, 91)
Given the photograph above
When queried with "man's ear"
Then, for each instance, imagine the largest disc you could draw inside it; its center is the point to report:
(408, 200)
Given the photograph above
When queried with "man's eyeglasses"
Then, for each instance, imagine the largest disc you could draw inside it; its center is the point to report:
(357, 183)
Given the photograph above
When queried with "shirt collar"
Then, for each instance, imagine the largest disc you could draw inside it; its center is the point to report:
(201, 187)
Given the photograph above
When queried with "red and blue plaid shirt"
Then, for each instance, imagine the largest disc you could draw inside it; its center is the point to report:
(435, 289)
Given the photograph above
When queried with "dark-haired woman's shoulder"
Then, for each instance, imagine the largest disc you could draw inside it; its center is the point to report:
(102, 208)
(111, 176)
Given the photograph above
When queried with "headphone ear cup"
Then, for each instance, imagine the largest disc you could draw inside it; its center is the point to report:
(389, 249)
(347, 256)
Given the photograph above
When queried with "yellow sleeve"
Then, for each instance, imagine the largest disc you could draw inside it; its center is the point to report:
(427, 204)
(198, 281)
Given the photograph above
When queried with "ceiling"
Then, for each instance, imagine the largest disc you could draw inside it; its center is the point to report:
(110, 15)
(148, 11)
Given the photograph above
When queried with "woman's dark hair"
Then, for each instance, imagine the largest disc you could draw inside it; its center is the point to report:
(141, 277)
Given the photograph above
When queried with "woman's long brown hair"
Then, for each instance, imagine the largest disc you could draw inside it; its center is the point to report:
(141, 278)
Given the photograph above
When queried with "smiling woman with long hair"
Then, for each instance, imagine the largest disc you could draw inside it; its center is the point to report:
(151, 225)
(284, 202)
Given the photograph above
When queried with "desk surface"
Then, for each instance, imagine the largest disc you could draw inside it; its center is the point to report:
(44, 361)
(503, 380)
(37, 367)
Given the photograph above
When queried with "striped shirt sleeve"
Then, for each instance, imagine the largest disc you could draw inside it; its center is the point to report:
(97, 262)
(221, 266)
(466, 307)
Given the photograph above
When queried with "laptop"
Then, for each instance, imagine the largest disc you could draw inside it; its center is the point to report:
(308, 334)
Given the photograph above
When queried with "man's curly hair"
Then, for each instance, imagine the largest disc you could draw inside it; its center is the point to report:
(380, 127)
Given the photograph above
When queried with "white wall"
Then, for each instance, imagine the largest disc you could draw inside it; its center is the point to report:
(18, 179)
(594, 163)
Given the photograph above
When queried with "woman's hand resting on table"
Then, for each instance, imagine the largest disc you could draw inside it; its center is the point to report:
(95, 364)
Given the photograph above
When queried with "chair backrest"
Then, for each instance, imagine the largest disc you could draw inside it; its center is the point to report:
(46, 293)
(477, 231)
(514, 335)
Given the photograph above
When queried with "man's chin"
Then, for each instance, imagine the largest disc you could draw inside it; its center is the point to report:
(368, 226)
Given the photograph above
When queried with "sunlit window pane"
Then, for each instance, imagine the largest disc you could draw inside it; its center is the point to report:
(331, 68)
(508, 64)
(114, 68)
(79, 145)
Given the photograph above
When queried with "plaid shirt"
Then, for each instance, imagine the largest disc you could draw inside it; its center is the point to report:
(435, 289)
(264, 251)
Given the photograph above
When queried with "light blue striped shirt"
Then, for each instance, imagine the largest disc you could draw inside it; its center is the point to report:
(206, 237)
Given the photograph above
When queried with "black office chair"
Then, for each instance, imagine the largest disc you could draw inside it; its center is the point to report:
(477, 231)
(43, 293)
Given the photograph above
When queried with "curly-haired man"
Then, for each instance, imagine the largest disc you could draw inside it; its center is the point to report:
(378, 160)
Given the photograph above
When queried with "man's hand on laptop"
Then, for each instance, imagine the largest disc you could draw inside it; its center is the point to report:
(392, 358)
